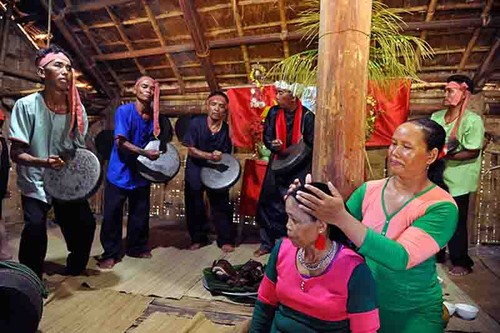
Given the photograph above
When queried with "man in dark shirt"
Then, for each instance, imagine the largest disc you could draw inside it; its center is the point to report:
(285, 125)
(206, 139)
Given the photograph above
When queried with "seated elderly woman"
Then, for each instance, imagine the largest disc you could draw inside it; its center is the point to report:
(405, 220)
(314, 284)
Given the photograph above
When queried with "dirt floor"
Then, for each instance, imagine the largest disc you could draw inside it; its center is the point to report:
(483, 284)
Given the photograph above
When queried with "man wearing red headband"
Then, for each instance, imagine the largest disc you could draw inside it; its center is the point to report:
(136, 124)
(43, 125)
(206, 139)
(5, 253)
(464, 136)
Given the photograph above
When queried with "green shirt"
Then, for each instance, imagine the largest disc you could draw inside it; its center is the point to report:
(46, 133)
(462, 176)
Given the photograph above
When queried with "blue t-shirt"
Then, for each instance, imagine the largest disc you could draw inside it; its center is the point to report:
(200, 137)
(122, 168)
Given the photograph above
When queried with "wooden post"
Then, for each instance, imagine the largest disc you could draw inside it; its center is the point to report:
(344, 38)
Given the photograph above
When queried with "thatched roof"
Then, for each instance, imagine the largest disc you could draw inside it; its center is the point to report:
(193, 46)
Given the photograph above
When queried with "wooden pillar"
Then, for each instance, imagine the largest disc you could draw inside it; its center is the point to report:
(344, 38)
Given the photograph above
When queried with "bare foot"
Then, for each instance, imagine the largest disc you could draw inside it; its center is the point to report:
(260, 252)
(460, 271)
(195, 246)
(227, 248)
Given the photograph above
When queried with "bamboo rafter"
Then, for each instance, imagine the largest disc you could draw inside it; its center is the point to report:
(431, 9)
(97, 49)
(475, 36)
(489, 63)
(124, 37)
(202, 48)
(244, 48)
(159, 34)
(284, 28)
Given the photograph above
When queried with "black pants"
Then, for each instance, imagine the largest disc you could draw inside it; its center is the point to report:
(459, 243)
(77, 225)
(138, 221)
(197, 220)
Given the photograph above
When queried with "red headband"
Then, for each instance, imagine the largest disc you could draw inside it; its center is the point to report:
(156, 102)
(462, 87)
(75, 103)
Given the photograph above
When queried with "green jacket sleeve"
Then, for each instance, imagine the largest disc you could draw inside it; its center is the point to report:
(417, 243)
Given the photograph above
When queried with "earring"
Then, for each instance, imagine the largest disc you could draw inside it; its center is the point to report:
(427, 167)
(320, 242)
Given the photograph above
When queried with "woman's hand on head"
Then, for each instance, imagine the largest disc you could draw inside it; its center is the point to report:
(296, 184)
(322, 206)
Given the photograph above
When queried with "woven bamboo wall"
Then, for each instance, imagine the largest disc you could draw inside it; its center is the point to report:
(487, 223)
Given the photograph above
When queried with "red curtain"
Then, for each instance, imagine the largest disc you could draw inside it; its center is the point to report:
(393, 112)
(253, 176)
(241, 115)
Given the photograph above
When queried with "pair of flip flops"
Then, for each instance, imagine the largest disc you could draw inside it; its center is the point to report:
(249, 274)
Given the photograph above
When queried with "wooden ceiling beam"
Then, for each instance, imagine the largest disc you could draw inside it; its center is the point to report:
(124, 37)
(216, 44)
(278, 37)
(159, 34)
(93, 5)
(97, 49)
(475, 35)
(443, 7)
(244, 48)
(488, 65)
(284, 28)
(202, 48)
(494, 22)
(447, 68)
(85, 59)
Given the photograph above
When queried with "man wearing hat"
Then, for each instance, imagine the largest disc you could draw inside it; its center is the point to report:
(43, 125)
(136, 124)
(464, 140)
(286, 124)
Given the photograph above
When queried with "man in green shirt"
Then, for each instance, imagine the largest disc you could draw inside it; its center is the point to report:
(464, 137)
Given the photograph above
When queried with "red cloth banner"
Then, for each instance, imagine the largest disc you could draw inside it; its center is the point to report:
(394, 112)
(241, 115)
(253, 177)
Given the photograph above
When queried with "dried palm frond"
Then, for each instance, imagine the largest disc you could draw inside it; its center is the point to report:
(393, 55)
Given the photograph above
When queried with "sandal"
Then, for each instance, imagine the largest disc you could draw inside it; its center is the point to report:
(224, 271)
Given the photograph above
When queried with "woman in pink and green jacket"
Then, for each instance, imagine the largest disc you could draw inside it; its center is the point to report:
(405, 220)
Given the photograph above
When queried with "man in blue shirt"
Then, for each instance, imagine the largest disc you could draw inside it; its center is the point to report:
(135, 125)
(206, 139)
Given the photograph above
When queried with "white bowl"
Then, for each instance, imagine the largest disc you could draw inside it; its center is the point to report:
(451, 307)
(466, 311)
